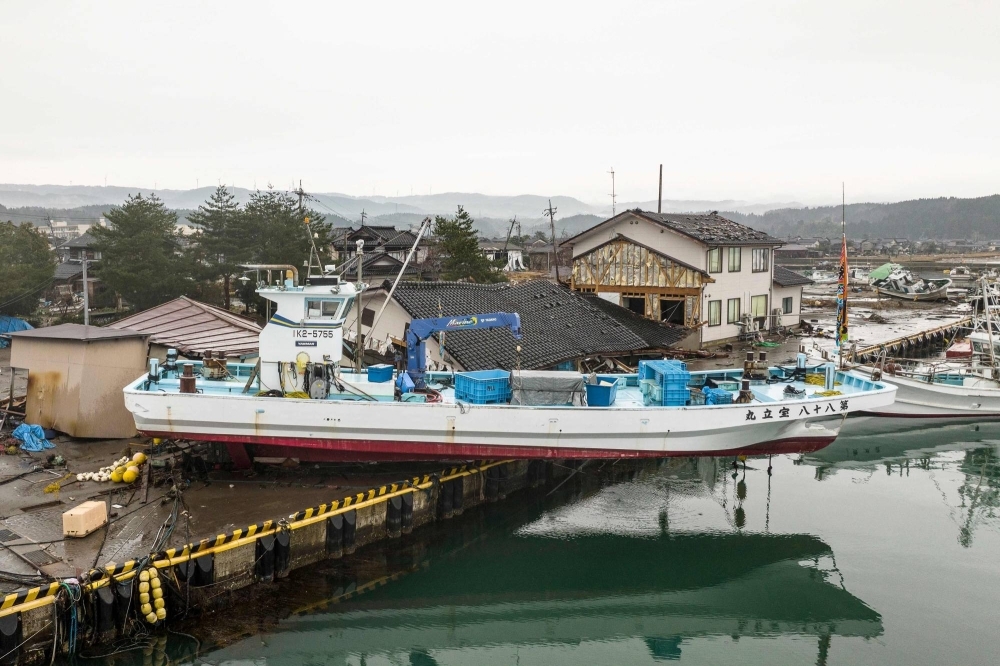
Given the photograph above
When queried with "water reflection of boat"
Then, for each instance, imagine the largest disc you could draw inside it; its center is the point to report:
(513, 589)
(890, 439)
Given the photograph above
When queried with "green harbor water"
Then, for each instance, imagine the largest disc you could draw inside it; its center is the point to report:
(880, 549)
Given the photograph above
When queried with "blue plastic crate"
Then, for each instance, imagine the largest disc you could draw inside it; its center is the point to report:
(717, 396)
(668, 373)
(673, 397)
(483, 387)
(602, 396)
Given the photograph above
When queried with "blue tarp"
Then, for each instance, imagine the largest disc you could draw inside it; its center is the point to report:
(32, 438)
(10, 324)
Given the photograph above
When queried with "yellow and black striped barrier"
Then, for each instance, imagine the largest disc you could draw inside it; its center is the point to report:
(29, 599)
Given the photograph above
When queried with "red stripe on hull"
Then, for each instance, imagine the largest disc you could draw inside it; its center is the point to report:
(337, 450)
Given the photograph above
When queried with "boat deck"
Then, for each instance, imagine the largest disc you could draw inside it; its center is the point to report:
(629, 394)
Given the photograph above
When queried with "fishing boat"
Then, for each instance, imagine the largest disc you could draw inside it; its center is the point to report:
(895, 281)
(299, 402)
(962, 386)
(961, 274)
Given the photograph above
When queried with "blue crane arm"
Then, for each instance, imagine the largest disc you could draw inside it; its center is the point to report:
(421, 329)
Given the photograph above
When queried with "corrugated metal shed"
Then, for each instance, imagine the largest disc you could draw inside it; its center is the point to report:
(76, 375)
(193, 328)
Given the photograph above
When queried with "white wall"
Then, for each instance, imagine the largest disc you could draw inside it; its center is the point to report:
(648, 233)
(742, 285)
(796, 294)
(393, 322)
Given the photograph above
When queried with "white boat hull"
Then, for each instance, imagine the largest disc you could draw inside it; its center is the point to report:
(353, 430)
(917, 399)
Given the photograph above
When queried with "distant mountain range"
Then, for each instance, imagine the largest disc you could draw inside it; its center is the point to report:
(922, 218)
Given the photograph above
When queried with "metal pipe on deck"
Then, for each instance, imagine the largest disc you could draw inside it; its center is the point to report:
(274, 267)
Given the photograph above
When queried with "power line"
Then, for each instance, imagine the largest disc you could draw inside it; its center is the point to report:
(33, 290)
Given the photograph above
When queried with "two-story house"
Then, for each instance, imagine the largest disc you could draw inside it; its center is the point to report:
(701, 271)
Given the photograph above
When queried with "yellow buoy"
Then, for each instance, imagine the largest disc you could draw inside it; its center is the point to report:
(146, 609)
(158, 603)
(129, 476)
(161, 613)
(151, 618)
(153, 572)
(144, 597)
(155, 582)
(144, 587)
(157, 593)
(143, 576)
(156, 441)
(139, 458)
(116, 475)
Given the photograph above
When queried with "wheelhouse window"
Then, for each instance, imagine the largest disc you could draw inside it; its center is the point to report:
(735, 259)
(761, 259)
(733, 311)
(714, 313)
(786, 305)
(715, 260)
(326, 308)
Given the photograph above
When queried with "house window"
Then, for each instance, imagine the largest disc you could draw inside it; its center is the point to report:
(715, 260)
(714, 313)
(327, 308)
(735, 259)
(786, 305)
(758, 306)
(733, 311)
(761, 259)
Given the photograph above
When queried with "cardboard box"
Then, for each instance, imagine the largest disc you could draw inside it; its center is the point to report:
(86, 518)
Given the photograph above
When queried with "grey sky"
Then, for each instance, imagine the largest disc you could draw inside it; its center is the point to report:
(752, 100)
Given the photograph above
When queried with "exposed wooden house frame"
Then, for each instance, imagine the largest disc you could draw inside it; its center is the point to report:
(635, 270)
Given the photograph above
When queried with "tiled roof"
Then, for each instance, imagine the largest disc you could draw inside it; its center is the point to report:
(83, 241)
(657, 335)
(376, 263)
(557, 324)
(711, 229)
(381, 236)
(68, 270)
(786, 278)
(193, 327)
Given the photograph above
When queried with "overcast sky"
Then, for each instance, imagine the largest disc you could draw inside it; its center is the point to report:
(758, 100)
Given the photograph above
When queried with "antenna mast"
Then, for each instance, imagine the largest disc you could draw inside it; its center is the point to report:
(613, 197)
(659, 196)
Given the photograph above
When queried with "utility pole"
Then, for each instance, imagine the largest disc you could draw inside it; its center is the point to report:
(659, 196)
(301, 194)
(613, 197)
(358, 349)
(363, 216)
(551, 213)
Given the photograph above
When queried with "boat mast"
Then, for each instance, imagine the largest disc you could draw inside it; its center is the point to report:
(842, 287)
(987, 306)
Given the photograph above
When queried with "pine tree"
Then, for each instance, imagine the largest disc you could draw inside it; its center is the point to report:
(140, 254)
(26, 268)
(460, 246)
(272, 230)
(219, 244)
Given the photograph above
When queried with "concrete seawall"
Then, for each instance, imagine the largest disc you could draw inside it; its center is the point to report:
(103, 605)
